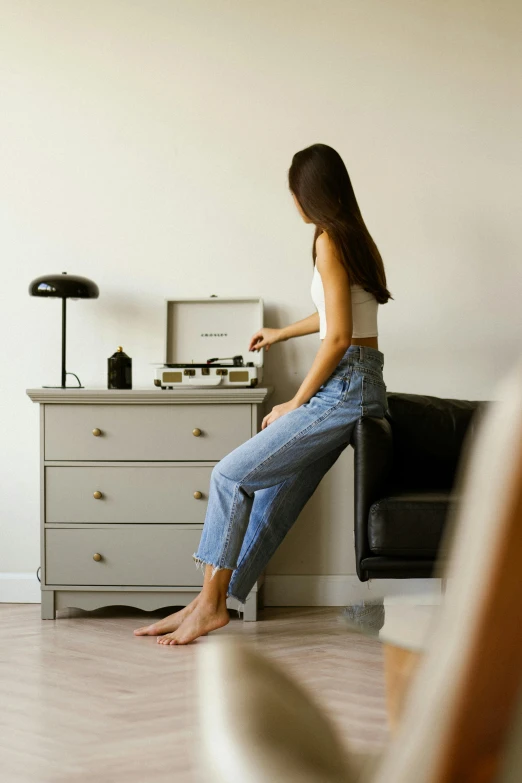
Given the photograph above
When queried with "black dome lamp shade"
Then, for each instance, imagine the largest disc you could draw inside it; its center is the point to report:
(64, 287)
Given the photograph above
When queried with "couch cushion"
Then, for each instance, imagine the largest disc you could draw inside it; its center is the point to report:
(428, 436)
(409, 524)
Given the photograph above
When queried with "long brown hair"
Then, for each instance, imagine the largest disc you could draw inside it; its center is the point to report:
(320, 182)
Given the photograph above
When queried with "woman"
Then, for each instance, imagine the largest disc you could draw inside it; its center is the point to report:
(258, 490)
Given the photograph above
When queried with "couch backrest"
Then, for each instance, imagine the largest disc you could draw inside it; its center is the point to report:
(428, 437)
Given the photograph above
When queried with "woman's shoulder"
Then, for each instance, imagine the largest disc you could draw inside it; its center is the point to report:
(325, 248)
(323, 243)
(327, 255)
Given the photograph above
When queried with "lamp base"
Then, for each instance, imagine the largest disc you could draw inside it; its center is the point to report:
(64, 381)
(63, 387)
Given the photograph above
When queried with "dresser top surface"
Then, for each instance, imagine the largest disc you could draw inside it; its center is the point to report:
(148, 396)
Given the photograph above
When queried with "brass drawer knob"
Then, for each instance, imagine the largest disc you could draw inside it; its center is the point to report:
(97, 495)
(196, 432)
(96, 556)
(96, 432)
(198, 495)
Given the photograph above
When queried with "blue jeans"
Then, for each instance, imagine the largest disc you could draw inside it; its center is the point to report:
(258, 490)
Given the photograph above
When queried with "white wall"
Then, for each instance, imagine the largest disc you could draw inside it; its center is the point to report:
(146, 145)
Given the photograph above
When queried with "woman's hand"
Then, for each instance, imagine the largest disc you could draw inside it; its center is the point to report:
(277, 411)
(264, 338)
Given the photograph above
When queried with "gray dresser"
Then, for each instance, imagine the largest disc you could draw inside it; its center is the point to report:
(124, 485)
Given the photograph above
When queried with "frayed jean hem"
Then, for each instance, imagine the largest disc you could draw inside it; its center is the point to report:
(241, 601)
(202, 564)
(240, 604)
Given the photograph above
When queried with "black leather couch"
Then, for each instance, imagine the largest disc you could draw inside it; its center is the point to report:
(405, 469)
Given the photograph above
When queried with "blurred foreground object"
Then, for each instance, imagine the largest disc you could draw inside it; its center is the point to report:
(460, 722)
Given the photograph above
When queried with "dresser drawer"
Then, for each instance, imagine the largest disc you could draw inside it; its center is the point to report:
(127, 494)
(156, 556)
(145, 432)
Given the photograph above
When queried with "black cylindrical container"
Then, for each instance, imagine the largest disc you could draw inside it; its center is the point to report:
(119, 370)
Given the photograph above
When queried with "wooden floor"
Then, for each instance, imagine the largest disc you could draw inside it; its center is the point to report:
(82, 699)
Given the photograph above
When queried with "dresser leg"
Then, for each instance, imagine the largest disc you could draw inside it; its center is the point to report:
(250, 608)
(48, 610)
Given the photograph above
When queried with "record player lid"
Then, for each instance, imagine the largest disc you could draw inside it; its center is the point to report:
(199, 329)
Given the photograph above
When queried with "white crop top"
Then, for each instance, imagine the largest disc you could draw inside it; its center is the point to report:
(364, 308)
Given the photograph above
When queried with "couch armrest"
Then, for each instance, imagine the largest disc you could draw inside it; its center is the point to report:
(372, 441)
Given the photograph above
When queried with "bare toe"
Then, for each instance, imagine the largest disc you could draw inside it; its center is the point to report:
(165, 639)
(146, 630)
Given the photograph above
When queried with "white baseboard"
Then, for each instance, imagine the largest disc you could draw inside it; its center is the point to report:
(19, 588)
(300, 590)
(303, 590)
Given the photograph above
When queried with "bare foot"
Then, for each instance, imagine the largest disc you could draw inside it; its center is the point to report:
(170, 623)
(203, 619)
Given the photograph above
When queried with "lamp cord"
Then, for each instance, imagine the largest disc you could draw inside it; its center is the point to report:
(79, 381)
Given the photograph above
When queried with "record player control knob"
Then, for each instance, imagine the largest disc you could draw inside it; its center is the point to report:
(97, 495)
(196, 432)
(97, 557)
(96, 432)
(198, 495)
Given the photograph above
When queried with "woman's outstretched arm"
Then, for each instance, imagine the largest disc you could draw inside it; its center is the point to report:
(266, 337)
(308, 325)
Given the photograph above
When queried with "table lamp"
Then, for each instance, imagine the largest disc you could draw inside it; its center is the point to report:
(64, 287)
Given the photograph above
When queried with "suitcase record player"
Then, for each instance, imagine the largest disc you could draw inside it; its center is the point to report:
(207, 343)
